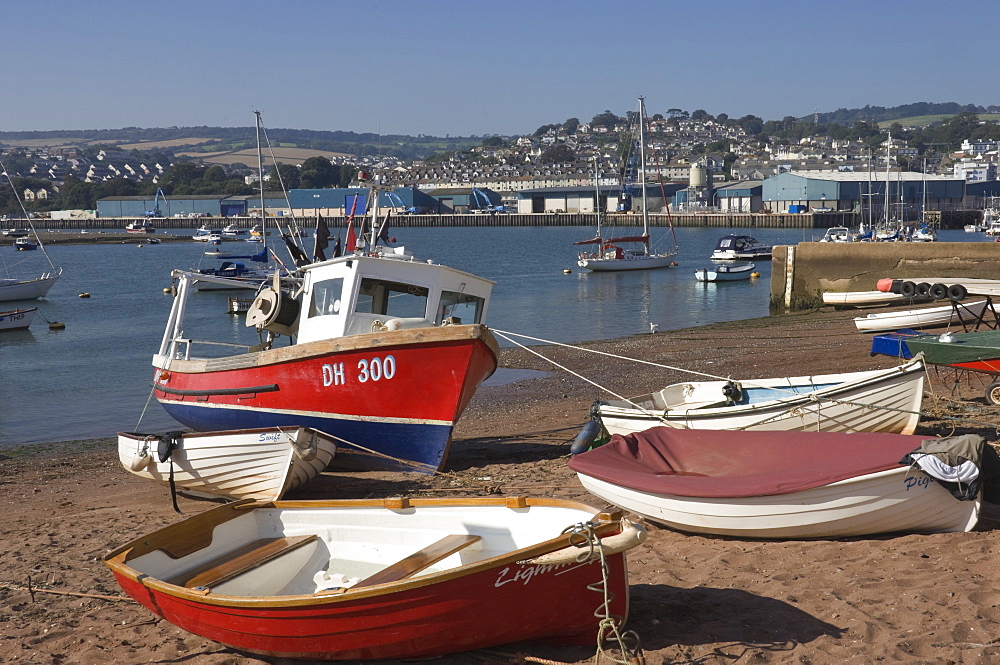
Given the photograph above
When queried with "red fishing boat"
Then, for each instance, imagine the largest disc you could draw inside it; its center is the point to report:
(379, 349)
(340, 580)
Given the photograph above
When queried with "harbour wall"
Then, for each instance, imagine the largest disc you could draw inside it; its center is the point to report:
(701, 220)
(801, 273)
(808, 220)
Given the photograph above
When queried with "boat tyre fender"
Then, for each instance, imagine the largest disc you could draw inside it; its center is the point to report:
(630, 536)
(923, 289)
(907, 289)
(585, 439)
(938, 292)
(957, 292)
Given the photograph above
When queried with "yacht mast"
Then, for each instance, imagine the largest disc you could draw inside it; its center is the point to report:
(642, 171)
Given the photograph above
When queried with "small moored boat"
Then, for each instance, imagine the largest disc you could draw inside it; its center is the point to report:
(236, 464)
(16, 319)
(392, 578)
(774, 485)
(725, 273)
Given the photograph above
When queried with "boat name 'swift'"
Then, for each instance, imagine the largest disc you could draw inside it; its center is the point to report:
(373, 369)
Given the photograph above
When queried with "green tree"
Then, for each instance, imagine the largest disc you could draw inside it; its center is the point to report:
(289, 176)
(557, 154)
(318, 173)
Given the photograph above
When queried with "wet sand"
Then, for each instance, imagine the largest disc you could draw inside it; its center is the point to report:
(694, 599)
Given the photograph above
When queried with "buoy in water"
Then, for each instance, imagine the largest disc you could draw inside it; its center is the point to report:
(84, 295)
(168, 290)
(567, 271)
(56, 325)
(755, 274)
(585, 439)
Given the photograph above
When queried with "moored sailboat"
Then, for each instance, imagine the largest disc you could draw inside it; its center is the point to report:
(18, 286)
(637, 254)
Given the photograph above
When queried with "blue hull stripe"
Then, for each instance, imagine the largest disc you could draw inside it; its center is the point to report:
(425, 444)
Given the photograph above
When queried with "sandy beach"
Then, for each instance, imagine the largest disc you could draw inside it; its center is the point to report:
(694, 599)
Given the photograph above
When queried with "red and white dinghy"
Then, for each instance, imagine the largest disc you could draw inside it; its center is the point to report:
(773, 484)
(375, 579)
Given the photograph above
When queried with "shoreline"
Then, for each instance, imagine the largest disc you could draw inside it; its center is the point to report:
(710, 600)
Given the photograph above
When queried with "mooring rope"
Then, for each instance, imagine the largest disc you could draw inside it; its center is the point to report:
(660, 417)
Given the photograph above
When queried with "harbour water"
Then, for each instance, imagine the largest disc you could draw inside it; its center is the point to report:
(92, 378)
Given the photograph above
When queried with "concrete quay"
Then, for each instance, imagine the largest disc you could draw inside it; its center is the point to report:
(801, 273)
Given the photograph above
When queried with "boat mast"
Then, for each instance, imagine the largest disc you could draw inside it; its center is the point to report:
(642, 171)
(597, 196)
(260, 171)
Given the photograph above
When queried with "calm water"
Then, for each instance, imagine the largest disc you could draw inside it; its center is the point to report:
(92, 379)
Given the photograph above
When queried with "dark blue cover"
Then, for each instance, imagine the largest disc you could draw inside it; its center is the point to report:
(894, 344)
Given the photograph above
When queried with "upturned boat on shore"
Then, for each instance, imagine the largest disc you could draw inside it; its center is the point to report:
(392, 578)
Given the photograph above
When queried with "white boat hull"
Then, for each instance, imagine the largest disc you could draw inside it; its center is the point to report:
(13, 289)
(724, 273)
(901, 499)
(864, 298)
(259, 464)
(840, 403)
(17, 319)
(649, 262)
(917, 318)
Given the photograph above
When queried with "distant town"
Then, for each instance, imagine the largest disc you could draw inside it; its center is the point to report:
(682, 147)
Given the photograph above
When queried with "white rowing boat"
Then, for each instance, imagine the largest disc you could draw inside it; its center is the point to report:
(955, 312)
(885, 400)
(260, 464)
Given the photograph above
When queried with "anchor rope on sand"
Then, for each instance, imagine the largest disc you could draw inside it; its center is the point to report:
(609, 627)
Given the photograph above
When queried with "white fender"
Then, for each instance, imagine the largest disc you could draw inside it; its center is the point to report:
(140, 456)
(631, 535)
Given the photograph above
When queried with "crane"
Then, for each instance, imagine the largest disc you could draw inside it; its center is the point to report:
(155, 212)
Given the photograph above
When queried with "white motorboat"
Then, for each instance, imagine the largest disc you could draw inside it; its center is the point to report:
(885, 400)
(736, 247)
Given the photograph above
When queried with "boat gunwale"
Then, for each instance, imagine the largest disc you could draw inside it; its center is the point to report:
(348, 343)
(608, 523)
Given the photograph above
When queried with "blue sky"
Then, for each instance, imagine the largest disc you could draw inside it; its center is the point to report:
(471, 67)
